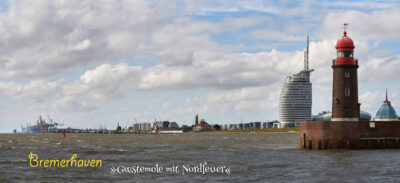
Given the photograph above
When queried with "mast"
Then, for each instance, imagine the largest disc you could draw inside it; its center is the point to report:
(386, 95)
(306, 68)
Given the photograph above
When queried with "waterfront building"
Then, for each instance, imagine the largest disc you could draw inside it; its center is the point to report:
(173, 125)
(233, 127)
(158, 124)
(142, 126)
(118, 128)
(240, 126)
(136, 127)
(202, 126)
(270, 124)
(148, 127)
(247, 126)
(386, 112)
(256, 125)
(277, 125)
(165, 124)
(216, 127)
(296, 96)
(265, 125)
(145, 126)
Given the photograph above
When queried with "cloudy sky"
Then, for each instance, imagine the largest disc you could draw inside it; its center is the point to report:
(95, 63)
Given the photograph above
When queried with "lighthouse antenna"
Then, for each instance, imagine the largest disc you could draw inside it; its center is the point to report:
(345, 26)
(306, 68)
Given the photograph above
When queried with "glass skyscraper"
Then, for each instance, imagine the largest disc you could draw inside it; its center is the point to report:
(296, 97)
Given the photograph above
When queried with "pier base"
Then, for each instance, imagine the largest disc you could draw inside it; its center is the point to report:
(317, 135)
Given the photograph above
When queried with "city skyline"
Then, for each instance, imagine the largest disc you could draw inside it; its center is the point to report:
(88, 63)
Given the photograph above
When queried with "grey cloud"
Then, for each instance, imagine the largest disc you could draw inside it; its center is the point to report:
(46, 38)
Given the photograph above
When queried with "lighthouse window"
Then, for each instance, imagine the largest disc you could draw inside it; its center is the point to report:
(345, 53)
(346, 112)
(347, 92)
(347, 74)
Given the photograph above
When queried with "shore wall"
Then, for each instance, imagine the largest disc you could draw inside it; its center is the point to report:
(349, 135)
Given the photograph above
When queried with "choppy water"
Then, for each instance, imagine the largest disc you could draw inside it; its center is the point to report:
(252, 157)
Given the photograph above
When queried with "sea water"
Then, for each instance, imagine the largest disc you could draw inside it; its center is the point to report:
(249, 157)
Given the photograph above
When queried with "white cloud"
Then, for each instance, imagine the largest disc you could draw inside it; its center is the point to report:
(381, 69)
(71, 104)
(230, 71)
(270, 34)
(363, 4)
(286, 8)
(35, 90)
(238, 23)
(378, 25)
(83, 45)
(230, 105)
(105, 81)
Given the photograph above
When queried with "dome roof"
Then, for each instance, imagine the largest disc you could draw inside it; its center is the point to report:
(364, 116)
(345, 42)
(386, 112)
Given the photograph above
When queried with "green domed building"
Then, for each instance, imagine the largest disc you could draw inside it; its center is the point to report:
(364, 116)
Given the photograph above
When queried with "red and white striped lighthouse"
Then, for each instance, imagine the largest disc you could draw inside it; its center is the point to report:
(345, 106)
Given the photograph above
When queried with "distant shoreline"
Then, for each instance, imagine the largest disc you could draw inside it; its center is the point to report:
(265, 130)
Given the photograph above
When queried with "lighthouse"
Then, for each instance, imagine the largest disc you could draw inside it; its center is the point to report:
(345, 106)
(345, 130)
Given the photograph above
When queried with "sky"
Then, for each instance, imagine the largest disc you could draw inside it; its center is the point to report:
(91, 64)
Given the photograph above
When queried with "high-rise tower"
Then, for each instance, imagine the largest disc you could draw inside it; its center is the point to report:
(296, 96)
(345, 106)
